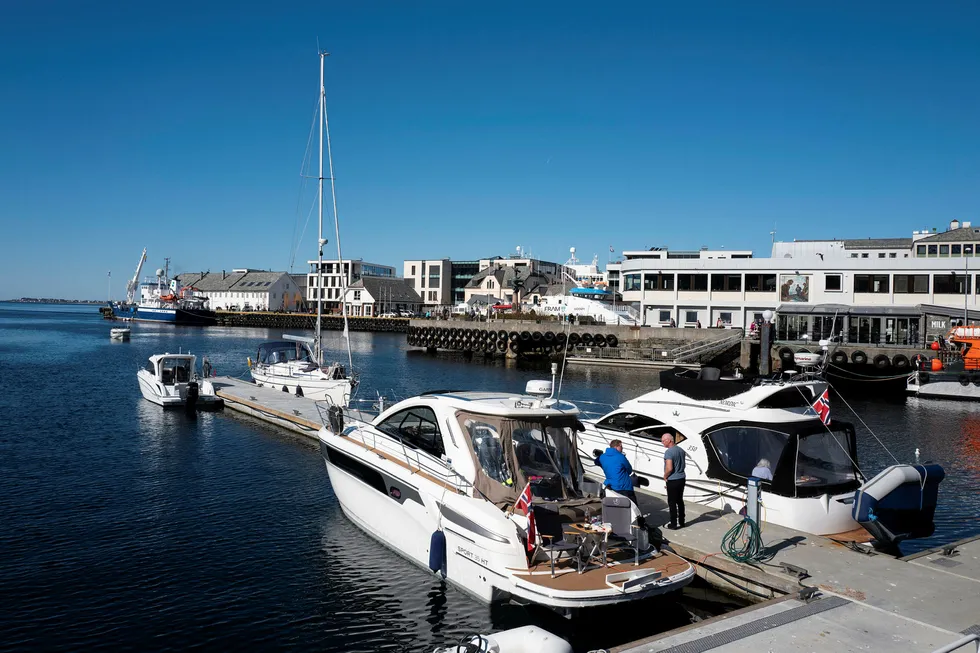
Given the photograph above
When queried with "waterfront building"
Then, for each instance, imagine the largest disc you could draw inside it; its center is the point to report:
(328, 284)
(373, 296)
(874, 284)
(246, 289)
(535, 279)
(440, 282)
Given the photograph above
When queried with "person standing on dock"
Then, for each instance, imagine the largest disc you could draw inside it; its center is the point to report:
(675, 460)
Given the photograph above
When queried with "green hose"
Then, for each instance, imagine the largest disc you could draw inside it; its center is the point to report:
(743, 542)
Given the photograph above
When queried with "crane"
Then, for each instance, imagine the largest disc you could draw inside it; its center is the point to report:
(134, 282)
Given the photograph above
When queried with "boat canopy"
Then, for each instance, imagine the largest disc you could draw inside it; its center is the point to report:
(283, 352)
(700, 385)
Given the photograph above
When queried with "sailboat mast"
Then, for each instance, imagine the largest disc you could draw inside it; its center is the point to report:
(336, 221)
(319, 242)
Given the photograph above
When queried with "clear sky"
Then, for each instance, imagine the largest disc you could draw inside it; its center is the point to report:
(465, 129)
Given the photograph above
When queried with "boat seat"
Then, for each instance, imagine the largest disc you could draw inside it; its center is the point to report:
(618, 512)
(709, 374)
(548, 522)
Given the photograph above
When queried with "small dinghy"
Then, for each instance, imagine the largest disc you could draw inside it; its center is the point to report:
(119, 333)
(899, 503)
(526, 639)
(172, 381)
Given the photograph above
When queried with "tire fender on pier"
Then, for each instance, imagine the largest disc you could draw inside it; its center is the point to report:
(882, 362)
(859, 357)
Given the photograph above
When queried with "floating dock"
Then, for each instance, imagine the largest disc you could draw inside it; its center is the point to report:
(297, 414)
(817, 594)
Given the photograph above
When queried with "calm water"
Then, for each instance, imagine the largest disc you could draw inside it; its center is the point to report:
(125, 527)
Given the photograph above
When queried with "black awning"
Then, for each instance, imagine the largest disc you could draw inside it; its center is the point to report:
(687, 383)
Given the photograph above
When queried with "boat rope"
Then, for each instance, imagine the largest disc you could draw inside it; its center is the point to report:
(833, 436)
(864, 424)
(303, 177)
(564, 358)
(867, 376)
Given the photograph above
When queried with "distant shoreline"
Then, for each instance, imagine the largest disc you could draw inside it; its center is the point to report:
(32, 300)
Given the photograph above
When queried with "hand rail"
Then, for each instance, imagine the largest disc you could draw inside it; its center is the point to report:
(702, 347)
(960, 643)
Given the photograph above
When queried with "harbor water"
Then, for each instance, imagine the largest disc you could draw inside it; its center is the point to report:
(125, 527)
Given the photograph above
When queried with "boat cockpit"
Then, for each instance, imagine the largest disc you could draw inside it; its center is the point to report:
(171, 370)
(273, 353)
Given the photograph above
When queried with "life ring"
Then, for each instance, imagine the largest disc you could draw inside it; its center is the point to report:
(838, 358)
(612, 340)
(859, 357)
(882, 362)
(786, 354)
(964, 380)
(901, 362)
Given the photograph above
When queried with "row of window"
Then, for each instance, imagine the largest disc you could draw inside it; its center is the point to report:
(949, 284)
(913, 284)
(969, 249)
(880, 255)
(699, 282)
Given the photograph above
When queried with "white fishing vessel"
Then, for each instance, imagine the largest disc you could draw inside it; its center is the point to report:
(172, 381)
(439, 478)
(120, 333)
(777, 430)
(298, 365)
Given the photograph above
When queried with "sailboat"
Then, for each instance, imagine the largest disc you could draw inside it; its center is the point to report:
(296, 364)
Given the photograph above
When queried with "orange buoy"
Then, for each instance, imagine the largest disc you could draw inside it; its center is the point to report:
(934, 346)
(937, 365)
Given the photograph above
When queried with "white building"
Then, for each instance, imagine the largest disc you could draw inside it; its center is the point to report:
(373, 296)
(431, 279)
(246, 289)
(329, 283)
(734, 287)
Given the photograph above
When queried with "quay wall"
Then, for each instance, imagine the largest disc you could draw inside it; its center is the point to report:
(263, 319)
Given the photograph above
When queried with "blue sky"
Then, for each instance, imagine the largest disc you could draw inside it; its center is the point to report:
(463, 131)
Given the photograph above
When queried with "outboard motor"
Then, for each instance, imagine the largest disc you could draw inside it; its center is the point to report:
(190, 398)
(899, 503)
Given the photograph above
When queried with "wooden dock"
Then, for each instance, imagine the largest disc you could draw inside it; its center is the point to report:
(816, 594)
(297, 414)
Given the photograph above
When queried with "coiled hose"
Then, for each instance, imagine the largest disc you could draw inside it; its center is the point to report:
(743, 542)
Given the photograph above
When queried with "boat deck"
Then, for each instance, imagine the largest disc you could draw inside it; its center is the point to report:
(618, 560)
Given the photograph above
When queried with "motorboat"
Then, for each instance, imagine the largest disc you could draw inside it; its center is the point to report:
(120, 333)
(291, 365)
(486, 490)
(524, 639)
(777, 430)
(954, 373)
(172, 381)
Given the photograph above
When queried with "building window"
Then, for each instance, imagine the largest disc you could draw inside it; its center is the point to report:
(691, 317)
(658, 281)
(871, 283)
(881, 255)
(967, 250)
(950, 284)
(894, 255)
(726, 282)
(864, 255)
(917, 284)
(726, 318)
(413, 270)
(489, 284)
(933, 250)
(760, 283)
(357, 295)
(432, 295)
(920, 250)
(632, 282)
(955, 250)
(944, 250)
(854, 255)
(693, 282)
(833, 283)
(664, 317)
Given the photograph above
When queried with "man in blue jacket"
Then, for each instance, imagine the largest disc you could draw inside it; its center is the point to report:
(617, 469)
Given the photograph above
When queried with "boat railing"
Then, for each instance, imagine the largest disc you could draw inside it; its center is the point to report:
(972, 638)
(705, 347)
(593, 409)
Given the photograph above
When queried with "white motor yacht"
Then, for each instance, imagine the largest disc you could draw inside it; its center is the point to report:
(736, 428)
(438, 478)
(171, 381)
(291, 366)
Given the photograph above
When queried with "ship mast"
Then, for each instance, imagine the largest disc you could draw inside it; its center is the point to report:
(320, 241)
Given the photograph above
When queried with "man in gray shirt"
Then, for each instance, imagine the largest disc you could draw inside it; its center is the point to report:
(675, 459)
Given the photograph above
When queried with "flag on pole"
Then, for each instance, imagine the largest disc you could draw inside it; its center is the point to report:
(822, 407)
(524, 503)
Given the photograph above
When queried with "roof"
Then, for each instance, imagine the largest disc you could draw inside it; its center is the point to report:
(842, 309)
(501, 404)
(534, 282)
(220, 281)
(963, 234)
(878, 243)
(391, 289)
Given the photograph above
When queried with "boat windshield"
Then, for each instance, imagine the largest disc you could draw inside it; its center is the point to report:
(175, 370)
(514, 452)
(824, 458)
(271, 353)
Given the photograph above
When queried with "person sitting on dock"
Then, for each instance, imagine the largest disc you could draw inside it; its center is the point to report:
(762, 470)
(675, 460)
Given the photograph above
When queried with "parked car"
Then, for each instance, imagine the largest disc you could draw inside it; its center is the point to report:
(389, 315)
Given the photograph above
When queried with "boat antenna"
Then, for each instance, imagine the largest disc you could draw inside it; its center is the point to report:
(336, 218)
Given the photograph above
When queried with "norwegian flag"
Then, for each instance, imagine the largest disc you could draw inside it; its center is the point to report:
(524, 503)
(822, 407)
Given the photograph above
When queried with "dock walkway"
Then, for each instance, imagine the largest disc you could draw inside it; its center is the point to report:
(863, 601)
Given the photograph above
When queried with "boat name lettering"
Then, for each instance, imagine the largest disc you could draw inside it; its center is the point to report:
(466, 553)
(728, 402)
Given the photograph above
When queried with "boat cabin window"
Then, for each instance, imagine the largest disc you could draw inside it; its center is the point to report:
(824, 458)
(488, 449)
(798, 397)
(623, 422)
(283, 352)
(656, 432)
(741, 449)
(416, 428)
(175, 370)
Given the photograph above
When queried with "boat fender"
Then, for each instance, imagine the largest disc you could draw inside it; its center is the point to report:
(612, 340)
(786, 354)
(964, 379)
(299, 391)
(249, 361)
(859, 357)
(900, 362)
(285, 389)
(437, 551)
(335, 417)
(839, 357)
(882, 362)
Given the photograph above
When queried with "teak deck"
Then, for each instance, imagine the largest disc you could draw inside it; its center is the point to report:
(568, 579)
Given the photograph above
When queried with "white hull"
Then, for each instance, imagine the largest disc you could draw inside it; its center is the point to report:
(944, 390)
(175, 396)
(484, 556)
(334, 391)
